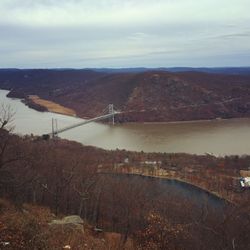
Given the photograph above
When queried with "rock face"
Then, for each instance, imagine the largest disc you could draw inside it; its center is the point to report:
(72, 221)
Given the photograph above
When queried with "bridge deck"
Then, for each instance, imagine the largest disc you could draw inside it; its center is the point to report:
(102, 117)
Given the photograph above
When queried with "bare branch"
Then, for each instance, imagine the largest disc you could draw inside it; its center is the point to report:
(6, 116)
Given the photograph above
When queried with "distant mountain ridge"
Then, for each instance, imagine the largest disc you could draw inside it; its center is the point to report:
(144, 96)
(213, 70)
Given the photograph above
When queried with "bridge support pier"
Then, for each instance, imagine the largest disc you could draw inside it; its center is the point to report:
(54, 128)
(111, 111)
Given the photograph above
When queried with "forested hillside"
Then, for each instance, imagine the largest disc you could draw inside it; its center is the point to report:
(147, 96)
(71, 179)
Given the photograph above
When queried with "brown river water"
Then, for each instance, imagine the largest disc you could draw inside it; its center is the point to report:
(218, 137)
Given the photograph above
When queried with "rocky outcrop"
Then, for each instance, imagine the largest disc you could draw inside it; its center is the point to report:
(71, 222)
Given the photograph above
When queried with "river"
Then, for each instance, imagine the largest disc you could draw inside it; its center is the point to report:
(218, 137)
(174, 188)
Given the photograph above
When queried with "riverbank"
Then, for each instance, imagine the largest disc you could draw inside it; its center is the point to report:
(216, 195)
(49, 106)
(213, 137)
(143, 97)
(41, 105)
(227, 193)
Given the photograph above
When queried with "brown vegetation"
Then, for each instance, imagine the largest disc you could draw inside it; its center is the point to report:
(28, 228)
(149, 96)
(51, 106)
(65, 176)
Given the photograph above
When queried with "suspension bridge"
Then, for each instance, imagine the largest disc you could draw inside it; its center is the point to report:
(108, 113)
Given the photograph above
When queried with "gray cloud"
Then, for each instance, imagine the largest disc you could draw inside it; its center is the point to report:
(117, 33)
(234, 35)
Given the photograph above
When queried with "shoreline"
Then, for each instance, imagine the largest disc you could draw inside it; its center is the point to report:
(190, 121)
(193, 185)
(217, 153)
(49, 106)
(36, 100)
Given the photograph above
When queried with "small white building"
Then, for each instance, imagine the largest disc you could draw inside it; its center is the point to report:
(245, 182)
(126, 160)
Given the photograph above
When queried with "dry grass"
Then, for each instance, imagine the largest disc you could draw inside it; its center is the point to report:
(245, 173)
(52, 106)
(27, 228)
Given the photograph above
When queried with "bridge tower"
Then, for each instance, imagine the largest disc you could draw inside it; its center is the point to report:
(111, 111)
(54, 127)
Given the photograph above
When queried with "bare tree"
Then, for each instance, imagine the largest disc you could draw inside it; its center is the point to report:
(14, 159)
(60, 181)
(6, 116)
(84, 190)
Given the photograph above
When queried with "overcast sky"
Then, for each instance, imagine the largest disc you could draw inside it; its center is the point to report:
(124, 33)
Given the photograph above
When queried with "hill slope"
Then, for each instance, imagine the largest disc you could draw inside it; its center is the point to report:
(148, 96)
